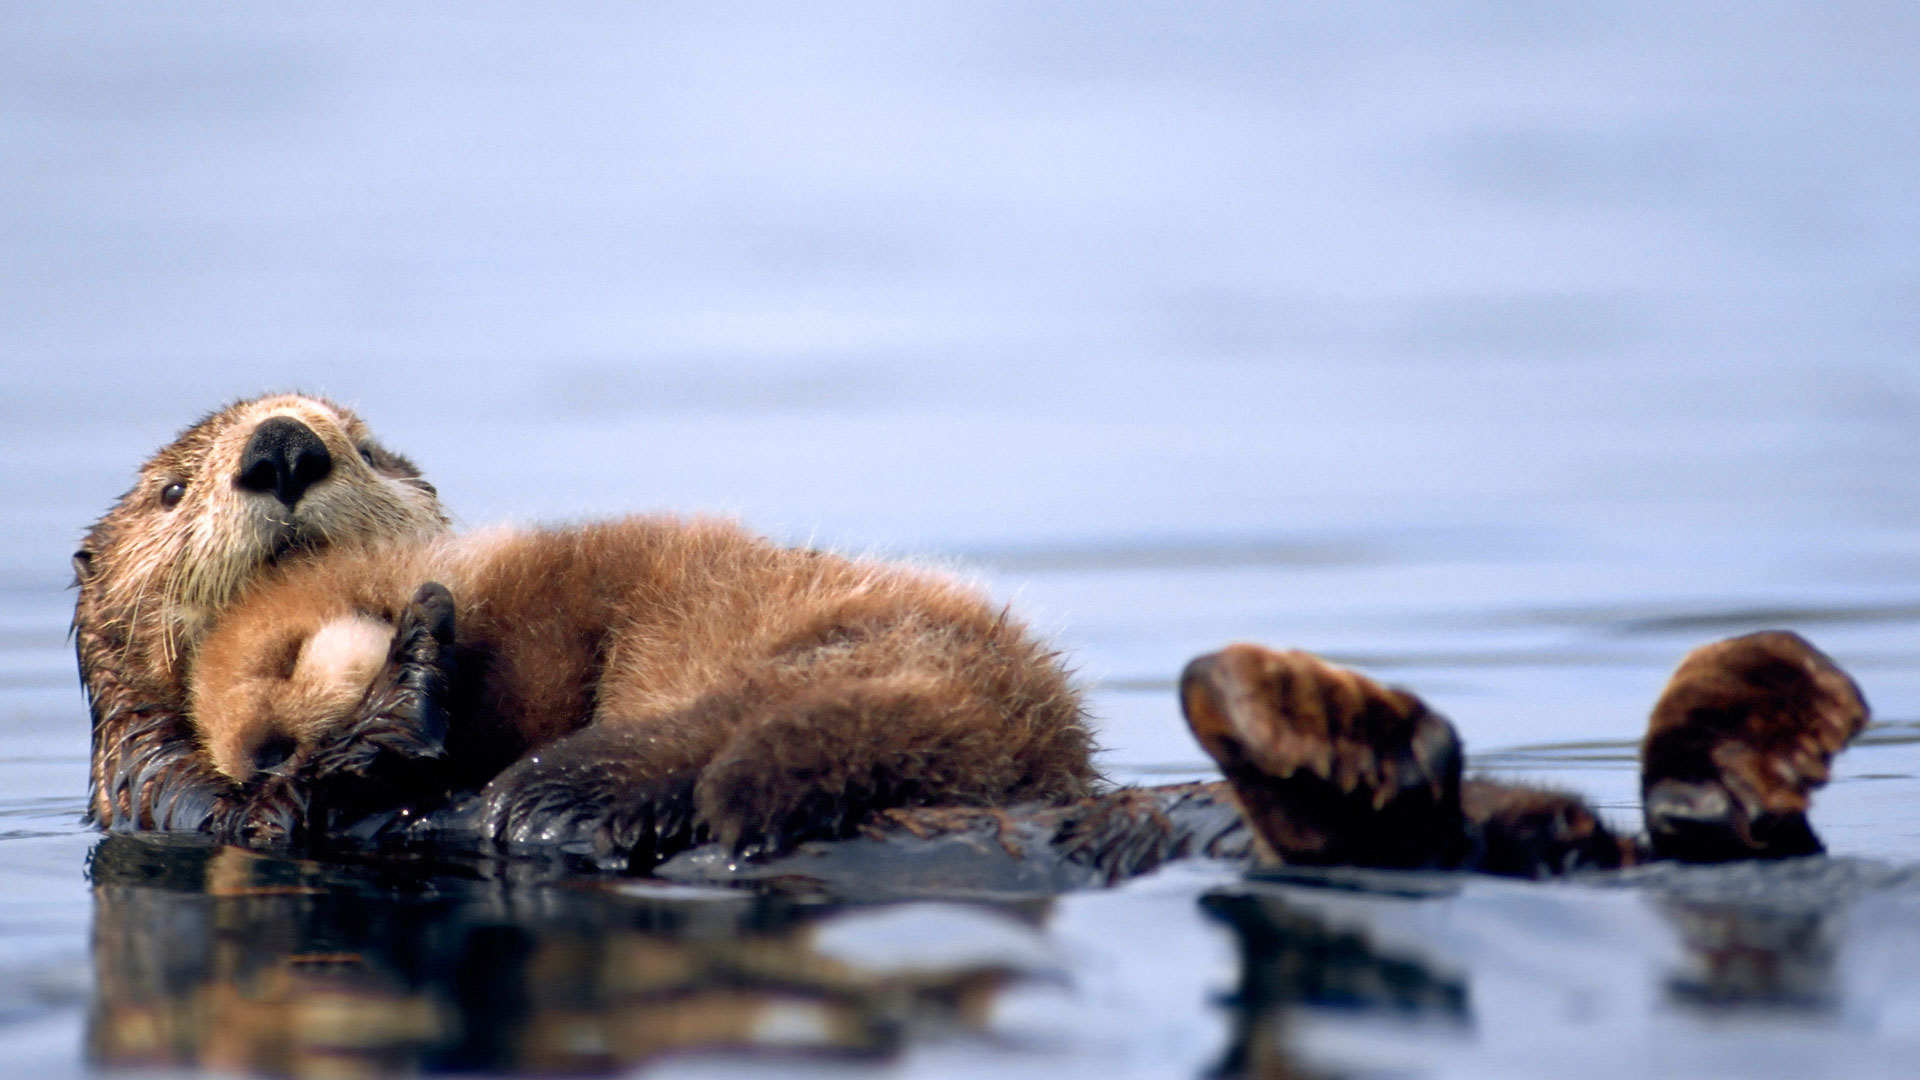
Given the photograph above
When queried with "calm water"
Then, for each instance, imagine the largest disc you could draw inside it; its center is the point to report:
(1507, 355)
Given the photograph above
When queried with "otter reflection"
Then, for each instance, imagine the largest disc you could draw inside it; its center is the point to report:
(217, 957)
(1743, 956)
(1291, 957)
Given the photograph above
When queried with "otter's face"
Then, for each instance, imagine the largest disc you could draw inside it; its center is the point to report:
(241, 489)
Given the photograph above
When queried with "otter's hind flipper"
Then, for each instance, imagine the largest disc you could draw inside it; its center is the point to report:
(1743, 735)
(1330, 767)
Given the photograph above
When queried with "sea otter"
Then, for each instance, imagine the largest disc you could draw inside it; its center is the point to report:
(255, 489)
(258, 483)
(1329, 766)
(296, 696)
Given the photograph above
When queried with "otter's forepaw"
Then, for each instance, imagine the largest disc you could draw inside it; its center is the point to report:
(403, 715)
(602, 809)
(386, 748)
(1743, 735)
(1330, 766)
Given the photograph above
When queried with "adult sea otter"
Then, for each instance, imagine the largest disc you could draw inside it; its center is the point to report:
(279, 635)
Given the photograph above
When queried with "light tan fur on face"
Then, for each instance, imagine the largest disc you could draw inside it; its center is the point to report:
(183, 564)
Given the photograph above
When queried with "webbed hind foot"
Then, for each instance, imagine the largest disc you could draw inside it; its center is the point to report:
(1329, 766)
(1743, 735)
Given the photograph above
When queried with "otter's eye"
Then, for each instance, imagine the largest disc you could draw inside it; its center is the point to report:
(366, 453)
(171, 494)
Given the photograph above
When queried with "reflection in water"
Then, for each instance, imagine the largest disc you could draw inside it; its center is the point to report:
(1740, 955)
(1291, 957)
(222, 958)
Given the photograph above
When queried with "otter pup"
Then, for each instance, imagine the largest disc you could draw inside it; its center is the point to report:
(661, 678)
(258, 483)
(259, 487)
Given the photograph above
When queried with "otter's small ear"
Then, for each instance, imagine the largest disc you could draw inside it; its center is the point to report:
(82, 565)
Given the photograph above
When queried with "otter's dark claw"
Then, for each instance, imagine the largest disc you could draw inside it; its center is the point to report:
(621, 815)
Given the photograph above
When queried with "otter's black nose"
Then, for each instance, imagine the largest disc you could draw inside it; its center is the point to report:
(284, 457)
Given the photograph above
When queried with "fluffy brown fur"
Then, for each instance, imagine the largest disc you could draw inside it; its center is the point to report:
(180, 547)
(668, 679)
